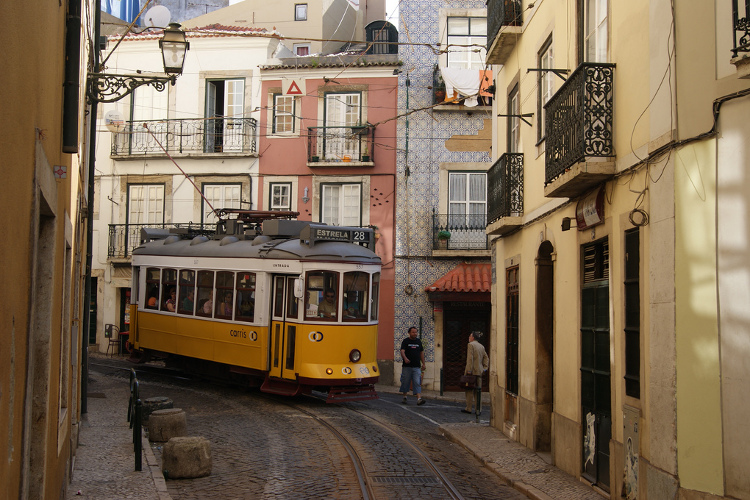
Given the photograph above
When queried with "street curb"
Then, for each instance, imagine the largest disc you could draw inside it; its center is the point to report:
(507, 477)
(153, 466)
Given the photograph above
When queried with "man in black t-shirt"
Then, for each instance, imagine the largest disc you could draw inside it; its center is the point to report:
(412, 354)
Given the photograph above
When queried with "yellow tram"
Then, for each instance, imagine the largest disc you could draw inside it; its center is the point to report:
(291, 305)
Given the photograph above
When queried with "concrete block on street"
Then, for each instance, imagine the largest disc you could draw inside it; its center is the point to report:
(150, 405)
(166, 424)
(186, 457)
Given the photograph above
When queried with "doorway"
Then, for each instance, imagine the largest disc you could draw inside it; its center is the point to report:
(459, 320)
(544, 348)
(595, 364)
(283, 333)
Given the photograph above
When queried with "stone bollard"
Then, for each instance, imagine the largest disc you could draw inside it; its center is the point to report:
(186, 457)
(166, 424)
(150, 405)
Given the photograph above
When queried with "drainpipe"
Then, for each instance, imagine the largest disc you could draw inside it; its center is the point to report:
(90, 221)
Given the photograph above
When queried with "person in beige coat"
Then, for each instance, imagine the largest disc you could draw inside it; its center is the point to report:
(477, 362)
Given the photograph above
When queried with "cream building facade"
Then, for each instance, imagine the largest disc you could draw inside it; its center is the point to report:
(618, 201)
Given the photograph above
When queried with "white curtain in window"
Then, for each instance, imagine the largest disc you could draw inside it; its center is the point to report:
(220, 196)
(146, 204)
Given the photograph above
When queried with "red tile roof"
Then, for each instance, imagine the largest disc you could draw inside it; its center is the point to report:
(212, 30)
(464, 278)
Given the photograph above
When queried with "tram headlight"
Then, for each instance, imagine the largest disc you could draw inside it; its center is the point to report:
(329, 371)
(355, 355)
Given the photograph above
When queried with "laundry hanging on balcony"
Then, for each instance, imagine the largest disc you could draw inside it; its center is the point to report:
(469, 83)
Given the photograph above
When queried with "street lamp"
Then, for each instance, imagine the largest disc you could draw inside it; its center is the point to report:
(103, 87)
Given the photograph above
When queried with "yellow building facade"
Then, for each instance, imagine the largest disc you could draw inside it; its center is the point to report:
(618, 206)
(43, 249)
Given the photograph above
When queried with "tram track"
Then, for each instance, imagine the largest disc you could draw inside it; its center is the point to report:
(361, 453)
(366, 480)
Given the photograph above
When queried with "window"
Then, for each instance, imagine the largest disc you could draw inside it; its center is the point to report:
(375, 296)
(300, 12)
(343, 110)
(632, 314)
(514, 121)
(205, 293)
(168, 290)
(153, 278)
(245, 296)
(467, 200)
(545, 85)
(281, 196)
(225, 109)
(321, 296)
(224, 294)
(594, 33)
(147, 103)
(283, 114)
(145, 204)
(220, 196)
(341, 204)
(511, 328)
(301, 49)
(467, 42)
(356, 296)
(186, 295)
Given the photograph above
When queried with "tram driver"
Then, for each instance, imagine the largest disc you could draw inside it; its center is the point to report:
(329, 307)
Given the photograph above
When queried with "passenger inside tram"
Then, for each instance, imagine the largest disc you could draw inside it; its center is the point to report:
(328, 307)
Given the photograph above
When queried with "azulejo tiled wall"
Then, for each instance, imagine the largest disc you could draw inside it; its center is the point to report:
(421, 150)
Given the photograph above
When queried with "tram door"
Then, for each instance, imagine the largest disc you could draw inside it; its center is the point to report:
(284, 316)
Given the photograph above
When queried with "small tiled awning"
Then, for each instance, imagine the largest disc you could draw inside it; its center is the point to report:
(464, 278)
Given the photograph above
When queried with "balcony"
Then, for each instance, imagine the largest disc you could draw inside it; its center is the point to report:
(579, 144)
(124, 238)
(340, 146)
(504, 26)
(741, 37)
(505, 194)
(232, 136)
(467, 234)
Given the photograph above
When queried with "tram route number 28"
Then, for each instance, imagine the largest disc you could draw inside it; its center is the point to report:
(359, 236)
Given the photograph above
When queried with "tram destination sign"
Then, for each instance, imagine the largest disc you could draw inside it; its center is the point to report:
(316, 233)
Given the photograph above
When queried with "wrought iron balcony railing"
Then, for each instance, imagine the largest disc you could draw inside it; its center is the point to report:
(467, 232)
(340, 144)
(741, 24)
(124, 238)
(189, 135)
(579, 119)
(505, 187)
(502, 13)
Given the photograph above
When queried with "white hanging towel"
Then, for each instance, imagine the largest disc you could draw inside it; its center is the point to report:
(463, 81)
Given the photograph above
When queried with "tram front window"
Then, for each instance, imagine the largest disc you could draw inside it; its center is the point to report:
(356, 287)
(321, 297)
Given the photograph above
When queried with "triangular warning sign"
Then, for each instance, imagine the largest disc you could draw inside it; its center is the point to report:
(294, 89)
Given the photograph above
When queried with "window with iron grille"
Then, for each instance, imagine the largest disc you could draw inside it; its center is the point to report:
(632, 314)
(511, 329)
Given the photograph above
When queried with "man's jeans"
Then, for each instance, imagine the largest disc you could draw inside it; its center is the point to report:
(413, 375)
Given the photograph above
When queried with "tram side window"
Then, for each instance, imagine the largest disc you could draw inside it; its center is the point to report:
(169, 290)
(205, 293)
(186, 296)
(153, 278)
(292, 307)
(245, 296)
(321, 297)
(224, 293)
(356, 291)
(375, 296)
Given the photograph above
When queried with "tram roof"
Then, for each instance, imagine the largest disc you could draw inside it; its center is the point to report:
(259, 247)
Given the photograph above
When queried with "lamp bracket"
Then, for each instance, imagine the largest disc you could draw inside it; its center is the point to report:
(522, 117)
(103, 87)
(562, 73)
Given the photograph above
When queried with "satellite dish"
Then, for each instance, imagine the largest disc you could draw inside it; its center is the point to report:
(114, 121)
(157, 17)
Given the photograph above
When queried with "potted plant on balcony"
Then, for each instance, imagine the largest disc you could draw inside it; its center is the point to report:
(443, 236)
